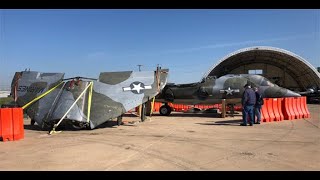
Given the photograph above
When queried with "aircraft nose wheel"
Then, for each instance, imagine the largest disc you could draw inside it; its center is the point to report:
(165, 110)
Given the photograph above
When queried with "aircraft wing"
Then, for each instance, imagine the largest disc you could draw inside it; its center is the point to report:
(118, 92)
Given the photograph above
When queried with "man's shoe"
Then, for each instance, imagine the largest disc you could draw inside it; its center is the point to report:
(257, 122)
(250, 124)
(243, 124)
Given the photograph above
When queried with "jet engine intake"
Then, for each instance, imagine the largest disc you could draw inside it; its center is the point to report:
(168, 95)
(205, 91)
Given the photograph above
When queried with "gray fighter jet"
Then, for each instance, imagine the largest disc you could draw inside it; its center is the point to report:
(212, 90)
(84, 102)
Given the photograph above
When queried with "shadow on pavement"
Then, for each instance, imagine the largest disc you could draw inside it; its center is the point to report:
(235, 122)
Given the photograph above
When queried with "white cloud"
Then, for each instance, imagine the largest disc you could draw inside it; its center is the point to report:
(222, 45)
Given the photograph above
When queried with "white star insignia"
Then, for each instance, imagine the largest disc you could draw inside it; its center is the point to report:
(229, 91)
(137, 87)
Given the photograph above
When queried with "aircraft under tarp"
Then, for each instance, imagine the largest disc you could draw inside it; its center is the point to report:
(79, 102)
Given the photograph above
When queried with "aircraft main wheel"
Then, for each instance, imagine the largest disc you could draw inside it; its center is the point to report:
(165, 110)
(119, 120)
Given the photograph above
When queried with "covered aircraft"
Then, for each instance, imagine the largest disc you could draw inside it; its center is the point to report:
(84, 102)
(212, 90)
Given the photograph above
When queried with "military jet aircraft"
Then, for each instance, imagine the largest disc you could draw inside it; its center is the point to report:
(212, 90)
(84, 102)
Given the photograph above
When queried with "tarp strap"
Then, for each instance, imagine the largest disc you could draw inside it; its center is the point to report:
(55, 102)
(89, 102)
(74, 103)
(41, 96)
(152, 106)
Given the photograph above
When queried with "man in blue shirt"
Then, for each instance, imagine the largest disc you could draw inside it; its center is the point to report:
(248, 101)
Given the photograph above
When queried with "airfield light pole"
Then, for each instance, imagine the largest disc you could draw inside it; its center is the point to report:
(139, 66)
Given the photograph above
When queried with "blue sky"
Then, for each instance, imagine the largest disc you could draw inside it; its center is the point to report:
(188, 42)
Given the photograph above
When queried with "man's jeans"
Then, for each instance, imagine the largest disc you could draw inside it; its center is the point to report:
(248, 110)
(257, 112)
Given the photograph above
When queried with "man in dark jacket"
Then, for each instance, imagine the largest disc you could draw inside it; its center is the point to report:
(258, 105)
(248, 102)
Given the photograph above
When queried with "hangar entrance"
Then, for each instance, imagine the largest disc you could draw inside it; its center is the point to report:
(280, 66)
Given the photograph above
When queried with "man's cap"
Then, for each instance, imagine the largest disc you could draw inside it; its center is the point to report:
(247, 85)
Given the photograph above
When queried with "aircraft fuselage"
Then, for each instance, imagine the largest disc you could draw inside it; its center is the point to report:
(213, 90)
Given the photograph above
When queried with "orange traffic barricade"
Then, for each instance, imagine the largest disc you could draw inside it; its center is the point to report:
(306, 113)
(268, 104)
(275, 109)
(17, 120)
(287, 109)
(264, 112)
(300, 112)
(11, 124)
(6, 124)
(296, 106)
(280, 102)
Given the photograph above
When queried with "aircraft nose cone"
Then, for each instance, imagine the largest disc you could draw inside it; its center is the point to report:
(290, 93)
(278, 92)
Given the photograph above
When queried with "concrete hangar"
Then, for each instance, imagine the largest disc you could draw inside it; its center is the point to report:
(280, 66)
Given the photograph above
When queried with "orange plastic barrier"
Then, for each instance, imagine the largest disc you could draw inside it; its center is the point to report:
(11, 124)
(287, 109)
(275, 109)
(304, 107)
(299, 107)
(6, 124)
(17, 119)
(157, 106)
(238, 108)
(280, 102)
(174, 107)
(180, 107)
(264, 112)
(268, 103)
(183, 107)
(295, 108)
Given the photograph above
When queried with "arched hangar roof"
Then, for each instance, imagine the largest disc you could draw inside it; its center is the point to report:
(293, 70)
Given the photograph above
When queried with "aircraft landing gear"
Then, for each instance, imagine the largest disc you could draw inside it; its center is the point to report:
(32, 122)
(165, 110)
(143, 112)
(119, 120)
(231, 106)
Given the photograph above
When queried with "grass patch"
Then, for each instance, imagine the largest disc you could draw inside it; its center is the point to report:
(6, 100)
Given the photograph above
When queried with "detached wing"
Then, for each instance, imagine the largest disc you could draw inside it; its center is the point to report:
(118, 92)
(27, 85)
